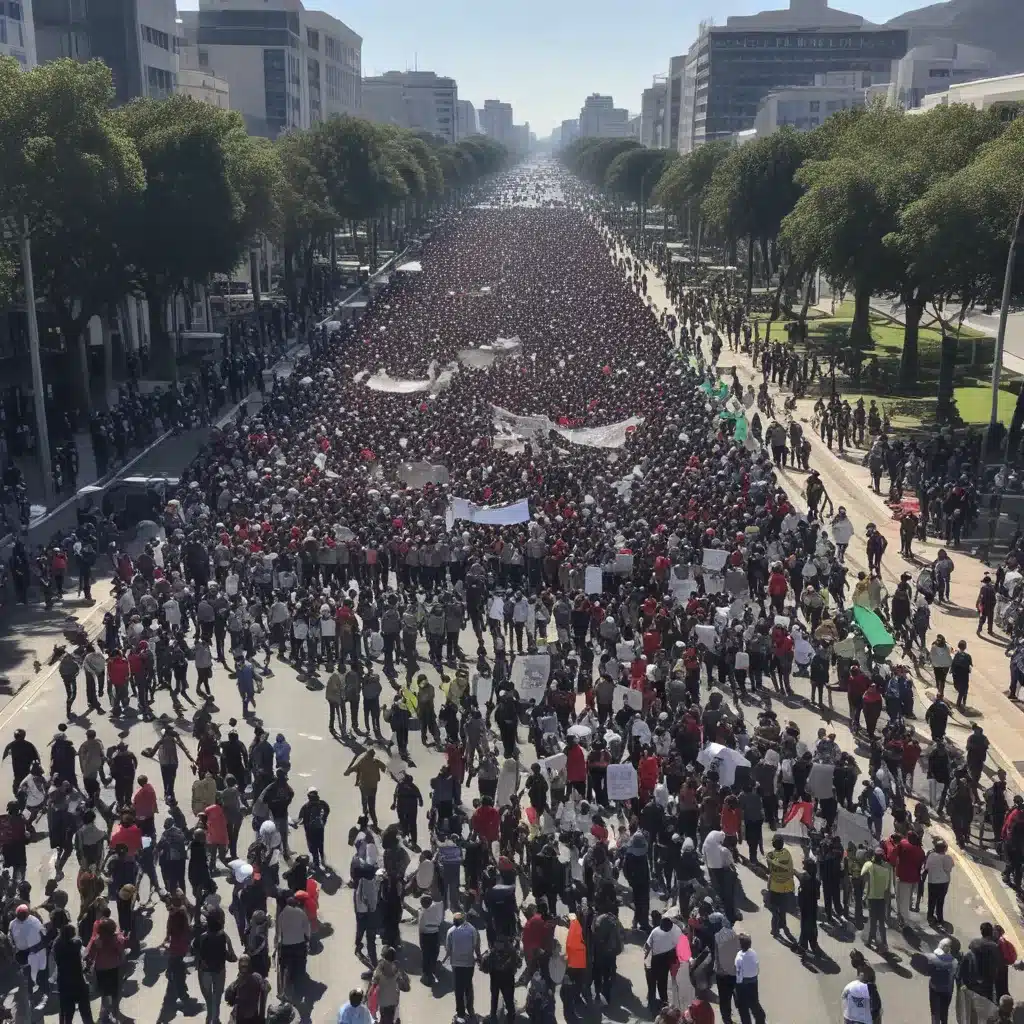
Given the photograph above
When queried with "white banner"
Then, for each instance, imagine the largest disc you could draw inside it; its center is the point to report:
(489, 515)
(613, 435)
(529, 675)
(383, 381)
(622, 782)
(592, 581)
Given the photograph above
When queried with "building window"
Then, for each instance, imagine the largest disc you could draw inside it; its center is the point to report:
(156, 37)
(312, 39)
(938, 72)
(815, 106)
(160, 81)
(204, 58)
(14, 11)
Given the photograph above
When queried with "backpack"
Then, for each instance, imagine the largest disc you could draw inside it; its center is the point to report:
(608, 935)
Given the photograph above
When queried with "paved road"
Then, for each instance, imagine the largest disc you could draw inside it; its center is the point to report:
(299, 711)
(791, 990)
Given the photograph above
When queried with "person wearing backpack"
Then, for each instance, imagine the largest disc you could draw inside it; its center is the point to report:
(607, 943)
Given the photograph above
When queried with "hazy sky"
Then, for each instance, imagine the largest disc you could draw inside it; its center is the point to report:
(545, 56)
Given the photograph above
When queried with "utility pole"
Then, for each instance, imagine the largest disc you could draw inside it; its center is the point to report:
(1004, 312)
(39, 395)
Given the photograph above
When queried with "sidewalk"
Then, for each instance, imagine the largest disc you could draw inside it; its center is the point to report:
(848, 483)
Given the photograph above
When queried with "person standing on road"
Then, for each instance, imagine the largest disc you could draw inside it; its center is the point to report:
(877, 875)
(368, 771)
(312, 817)
(961, 669)
(781, 886)
(462, 950)
(748, 968)
(986, 604)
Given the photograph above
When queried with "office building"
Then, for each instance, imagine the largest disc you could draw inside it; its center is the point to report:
(334, 72)
(136, 39)
(204, 86)
(740, 63)
(983, 94)
(633, 127)
(601, 119)
(673, 103)
(805, 107)
(285, 67)
(467, 119)
(520, 141)
(18, 32)
(568, 132)
(652, 114)
(935, 67)
(496, 121)
(413, 99)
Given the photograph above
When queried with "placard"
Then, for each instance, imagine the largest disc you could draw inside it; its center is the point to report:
(714, 559)
(552, 764)
(713, 583)
(624, 653)
(634, 698)
(623, 563)
(622, 782)
(681, 589)
(593, 582)
(707, 636)
(529, 675)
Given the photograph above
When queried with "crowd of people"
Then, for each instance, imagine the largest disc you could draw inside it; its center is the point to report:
(647, 623)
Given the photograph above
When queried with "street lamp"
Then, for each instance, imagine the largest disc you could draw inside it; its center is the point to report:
(42, 431)
(1004, 312)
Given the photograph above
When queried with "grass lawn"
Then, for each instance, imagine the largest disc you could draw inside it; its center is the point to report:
(911, 409)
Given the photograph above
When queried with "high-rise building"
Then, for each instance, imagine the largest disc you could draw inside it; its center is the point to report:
(935, 67)
(468, 120)
(18, 32)
(496, 121)
(520, 141)
(741, 62)
(135, 38)
(569, 132)
(652, 113)
(600, 118)
(413, 99)
(673, 103)
(285, 67)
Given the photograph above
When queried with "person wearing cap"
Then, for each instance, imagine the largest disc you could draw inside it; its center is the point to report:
(28, 937)
(312, 817)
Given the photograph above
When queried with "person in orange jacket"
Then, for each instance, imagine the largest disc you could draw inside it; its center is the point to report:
(576, 958)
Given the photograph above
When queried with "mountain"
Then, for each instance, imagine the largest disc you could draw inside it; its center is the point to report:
(996, 25)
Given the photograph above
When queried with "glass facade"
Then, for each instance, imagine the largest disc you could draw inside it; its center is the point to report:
(736, 70)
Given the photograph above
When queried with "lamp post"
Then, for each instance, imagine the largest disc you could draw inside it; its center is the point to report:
(39, 395)
(1004, 312)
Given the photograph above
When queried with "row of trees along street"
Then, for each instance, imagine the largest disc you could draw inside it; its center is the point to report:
(157, 196)
(920, 208)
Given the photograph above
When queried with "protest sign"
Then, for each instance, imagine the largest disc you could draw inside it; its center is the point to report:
(714, 559)
(592, 581)
(529, 675)
(622, 782)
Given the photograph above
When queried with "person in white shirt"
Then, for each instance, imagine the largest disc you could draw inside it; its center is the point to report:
(172, 613)
(27, 933)
(748, 1002)
(857, 1002)
(938, 866)
(719, 861)
(661, 947)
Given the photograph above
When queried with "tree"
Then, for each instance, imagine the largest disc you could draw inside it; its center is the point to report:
(684, 185)
(753, 190)
(634, 174)
(70, 172)
(200, 209)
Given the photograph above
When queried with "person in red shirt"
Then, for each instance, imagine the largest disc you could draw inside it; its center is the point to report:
(909, 757)
(575, 766)
(126, 833)
(647, 774)
(872, 709)
(538, 937)
(486, 821)
(856, 686)
(700, 1011)
(782, 659)
(217, 840)
(144, 806)
(910, 858)
(118, 675)
(778, 585)
(652, 643)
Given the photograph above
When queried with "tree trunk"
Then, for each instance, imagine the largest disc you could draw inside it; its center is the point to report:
(860, 329)
(913, 308)
(163, 348)
(331, 283)
(1016, 426)
(947, 365)
(257, 295)
(700, 232)
(73, 329)
(765, 256)
(290, 291)
(808, 287)
(750, 266)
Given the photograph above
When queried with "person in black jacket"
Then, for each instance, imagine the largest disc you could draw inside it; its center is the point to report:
(807, 902)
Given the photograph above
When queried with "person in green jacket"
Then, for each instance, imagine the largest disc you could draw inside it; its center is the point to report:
(877, 875)
(853, 883)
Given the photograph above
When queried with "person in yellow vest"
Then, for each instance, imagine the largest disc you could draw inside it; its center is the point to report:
(781, 886)
(576, 960)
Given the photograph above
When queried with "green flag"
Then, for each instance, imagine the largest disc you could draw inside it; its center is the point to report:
(740, 433)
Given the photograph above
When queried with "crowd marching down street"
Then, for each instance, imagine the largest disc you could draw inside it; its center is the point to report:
(578, 620)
